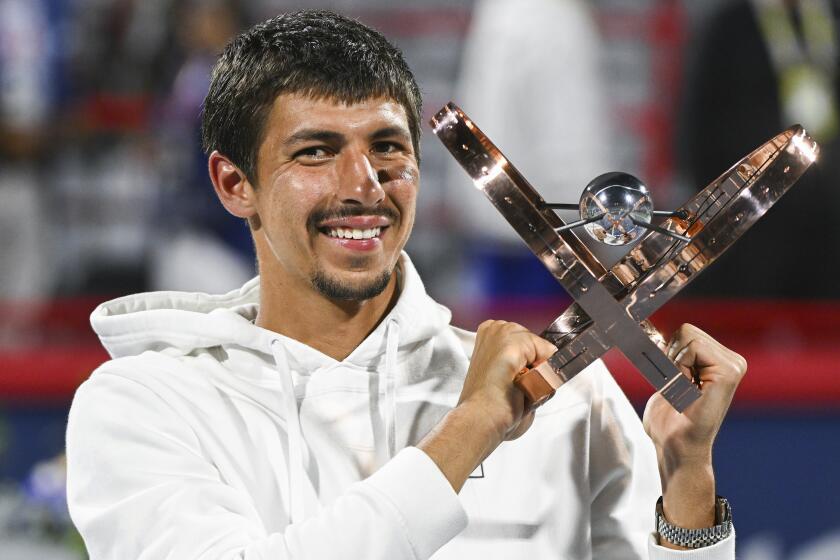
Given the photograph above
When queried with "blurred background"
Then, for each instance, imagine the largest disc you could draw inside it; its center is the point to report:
(103, 192)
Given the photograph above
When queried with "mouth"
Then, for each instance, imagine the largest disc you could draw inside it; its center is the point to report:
(353, 233)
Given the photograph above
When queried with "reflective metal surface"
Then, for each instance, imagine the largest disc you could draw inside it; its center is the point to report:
(611, 304)
(618, 203)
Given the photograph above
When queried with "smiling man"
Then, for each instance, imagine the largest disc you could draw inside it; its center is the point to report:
(327, 409)
(331, 203)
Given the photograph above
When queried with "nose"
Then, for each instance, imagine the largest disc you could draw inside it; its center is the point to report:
(359, 181)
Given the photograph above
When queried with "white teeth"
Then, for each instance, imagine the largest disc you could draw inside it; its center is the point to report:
(343, 233)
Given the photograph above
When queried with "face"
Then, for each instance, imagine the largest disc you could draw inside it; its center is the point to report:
(336, 193)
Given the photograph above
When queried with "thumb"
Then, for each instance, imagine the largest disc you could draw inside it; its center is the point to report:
(521, 427)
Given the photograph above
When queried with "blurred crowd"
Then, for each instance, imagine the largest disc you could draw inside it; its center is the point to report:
(103, 187)
(99, 155)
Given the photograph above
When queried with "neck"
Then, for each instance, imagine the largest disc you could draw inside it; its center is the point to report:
(333, 327)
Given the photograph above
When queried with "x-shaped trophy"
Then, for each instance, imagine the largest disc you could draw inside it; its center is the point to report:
(611, 306)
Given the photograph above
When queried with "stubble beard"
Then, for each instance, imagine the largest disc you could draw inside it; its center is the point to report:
(334, 288)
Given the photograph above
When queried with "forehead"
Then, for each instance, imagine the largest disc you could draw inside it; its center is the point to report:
(291, 112)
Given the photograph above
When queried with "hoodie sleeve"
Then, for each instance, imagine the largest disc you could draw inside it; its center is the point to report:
(624, 484)
(138, 486)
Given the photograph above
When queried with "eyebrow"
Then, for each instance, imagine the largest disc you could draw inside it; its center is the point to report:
(390, 132)
(329, 136)
(314, 134)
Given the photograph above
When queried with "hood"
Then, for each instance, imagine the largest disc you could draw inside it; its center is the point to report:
(177, 324)
(181, 322)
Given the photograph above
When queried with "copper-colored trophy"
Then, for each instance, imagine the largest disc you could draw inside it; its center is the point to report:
(611, 306)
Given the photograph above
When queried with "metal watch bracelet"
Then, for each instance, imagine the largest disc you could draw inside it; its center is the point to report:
(696, 538)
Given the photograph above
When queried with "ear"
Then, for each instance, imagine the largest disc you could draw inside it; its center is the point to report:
(232, 186)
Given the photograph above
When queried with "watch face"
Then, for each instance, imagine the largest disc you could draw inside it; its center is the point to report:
(722, 511)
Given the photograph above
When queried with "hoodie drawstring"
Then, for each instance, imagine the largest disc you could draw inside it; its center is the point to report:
(297, 471)
(392, 339)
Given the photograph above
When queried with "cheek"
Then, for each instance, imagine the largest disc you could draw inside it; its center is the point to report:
(283, 215)
(403, 170)
(293, 200)
(409, 174)
(408, 202)
(403, 189)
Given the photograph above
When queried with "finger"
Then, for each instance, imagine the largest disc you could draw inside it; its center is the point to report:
(522, 427)
(679, 339)
(513, 345)
(491, 323)
(687, 332)
(537, 350)
(534, 348)
(494, 333)
(695, 355)
(685, 360)
(711, 362)
(544, 348)
(673, 348)
(684, 335)
(693, 331)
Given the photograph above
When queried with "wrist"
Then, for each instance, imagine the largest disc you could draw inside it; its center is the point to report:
(673, 460)
(688, 496)
(460, 442)
(491, 427)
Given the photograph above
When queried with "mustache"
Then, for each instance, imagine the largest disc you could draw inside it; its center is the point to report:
(348, 211)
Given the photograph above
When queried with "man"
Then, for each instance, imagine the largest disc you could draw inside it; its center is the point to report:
(327, 409)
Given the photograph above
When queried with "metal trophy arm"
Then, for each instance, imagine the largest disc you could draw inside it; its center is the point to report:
(612, 305)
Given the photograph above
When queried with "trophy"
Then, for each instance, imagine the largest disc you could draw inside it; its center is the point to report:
(612, 306)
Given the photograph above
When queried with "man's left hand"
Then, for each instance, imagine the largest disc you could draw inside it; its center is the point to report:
(684, 441)
(719, 370)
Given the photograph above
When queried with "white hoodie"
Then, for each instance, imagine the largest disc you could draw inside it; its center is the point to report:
(189, 444)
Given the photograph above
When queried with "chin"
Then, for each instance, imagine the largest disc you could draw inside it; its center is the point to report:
(358, 289)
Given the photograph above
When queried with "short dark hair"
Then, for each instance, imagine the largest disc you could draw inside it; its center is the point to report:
(313, 52)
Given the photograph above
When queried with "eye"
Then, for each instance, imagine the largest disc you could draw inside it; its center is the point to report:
(387, 148)
(313, 154)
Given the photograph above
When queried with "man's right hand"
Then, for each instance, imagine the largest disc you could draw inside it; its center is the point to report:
(501, 351)
(491, 409)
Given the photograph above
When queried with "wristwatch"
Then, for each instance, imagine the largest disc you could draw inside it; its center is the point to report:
(696, 538)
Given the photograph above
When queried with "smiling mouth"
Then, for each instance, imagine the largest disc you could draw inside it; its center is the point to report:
(353, 233)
